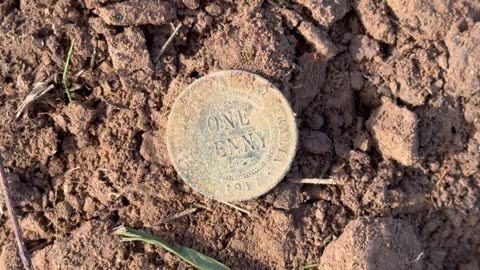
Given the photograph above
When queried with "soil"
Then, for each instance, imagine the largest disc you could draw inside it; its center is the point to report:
(374, 243)
(387, 100)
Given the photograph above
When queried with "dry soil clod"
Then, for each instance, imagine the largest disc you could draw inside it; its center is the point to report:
(319, 39)
(374, 17)
(191, 4)
(374, 243)
(326, 12)
(394, 131)
(425, 20)
(137, 13)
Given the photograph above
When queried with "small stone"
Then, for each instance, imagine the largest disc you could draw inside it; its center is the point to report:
(64, 210)
(191, 4)
(363, 48)
(316, 121)
(285, 196)
(56, 166)
(153, 148)
(374, 17)
(362, 141)
(394, 131)
(356, 80)
(316, 142)
(438, 84)
(319, 39)
(214, 9)
(326, 12)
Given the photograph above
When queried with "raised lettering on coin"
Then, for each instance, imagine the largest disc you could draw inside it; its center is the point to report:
(231, 135)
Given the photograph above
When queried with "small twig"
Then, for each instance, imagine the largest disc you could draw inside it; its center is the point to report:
(315, 181)
(237, 208)
(169, 40)
(22, 250)
(116, 106)
(94, 55)
(65, 72)
(179, 215)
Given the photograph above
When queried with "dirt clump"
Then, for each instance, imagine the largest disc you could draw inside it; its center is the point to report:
(394, 130)
(137, 13)
(319, 39)
(374, 243)
(316, 142)
(363, 48)
(374, 17)
(9, 259)
(422, 67)
(235, 46)
(263, 243)
(310, 81)
(327, 12)
(91, 244)
(463, 43)
(153, 148)
(428, 20)
(130, 57)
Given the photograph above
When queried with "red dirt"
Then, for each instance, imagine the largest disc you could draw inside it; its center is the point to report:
(387, 101)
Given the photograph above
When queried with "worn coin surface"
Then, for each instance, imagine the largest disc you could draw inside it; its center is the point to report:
(231, 135)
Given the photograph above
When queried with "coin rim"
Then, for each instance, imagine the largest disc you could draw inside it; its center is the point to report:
(288, 109)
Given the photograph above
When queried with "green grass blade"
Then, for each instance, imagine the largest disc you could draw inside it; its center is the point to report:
(65, 72)
(189, 255)
(310, 266)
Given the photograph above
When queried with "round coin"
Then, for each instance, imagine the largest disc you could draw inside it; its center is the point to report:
(231, 135)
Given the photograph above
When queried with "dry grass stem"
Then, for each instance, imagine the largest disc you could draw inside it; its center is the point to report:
(39, 89)
(17, 231)
(169, 40)
(179, 215)
(65, 72)
(315, 181)
(236, 208)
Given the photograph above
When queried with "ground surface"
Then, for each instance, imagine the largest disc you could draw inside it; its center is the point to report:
(387, 97)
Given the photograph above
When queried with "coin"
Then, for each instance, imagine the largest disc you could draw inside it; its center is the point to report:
(231, 135)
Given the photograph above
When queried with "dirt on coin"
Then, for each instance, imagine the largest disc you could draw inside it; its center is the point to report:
(386, 96)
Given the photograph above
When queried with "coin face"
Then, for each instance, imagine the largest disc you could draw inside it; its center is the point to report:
(231, 135)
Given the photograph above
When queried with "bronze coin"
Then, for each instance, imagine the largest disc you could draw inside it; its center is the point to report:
(231, 135)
